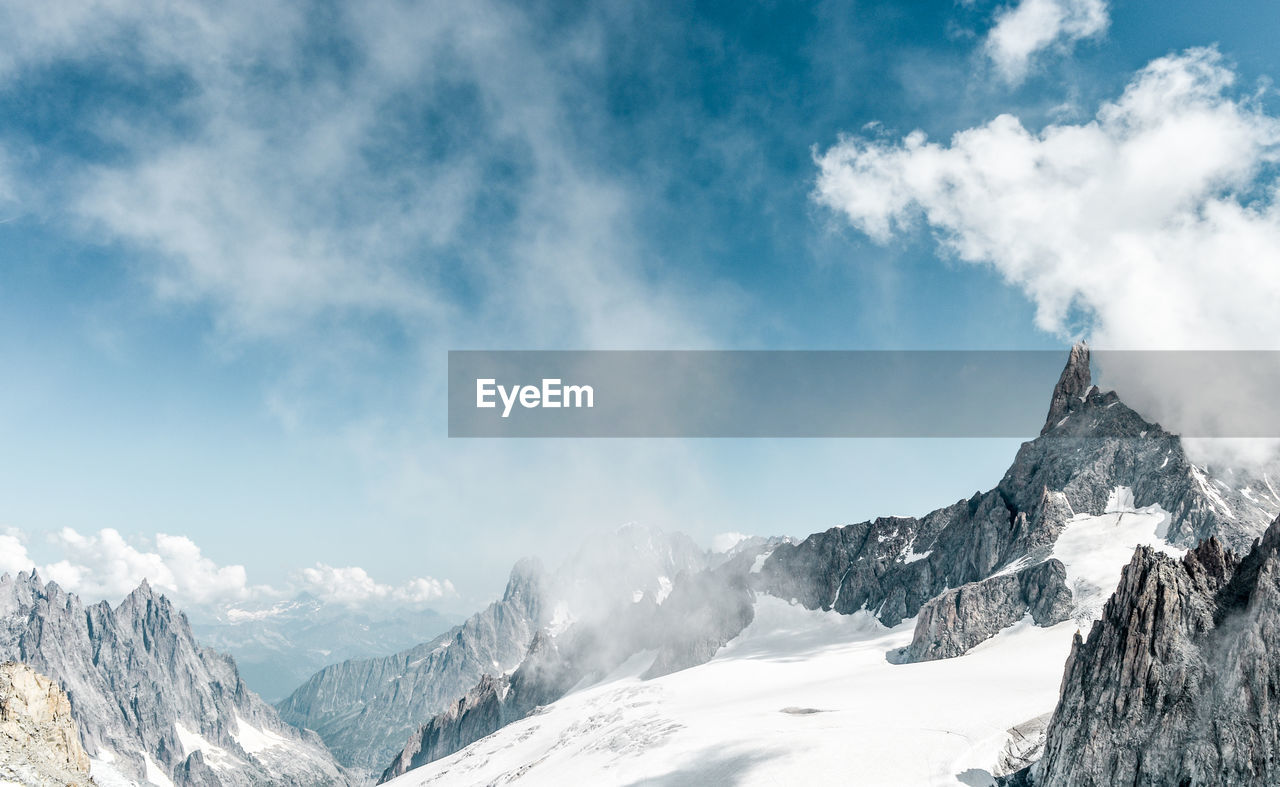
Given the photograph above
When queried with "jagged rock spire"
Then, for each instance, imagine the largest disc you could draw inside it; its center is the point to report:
(1072, 385)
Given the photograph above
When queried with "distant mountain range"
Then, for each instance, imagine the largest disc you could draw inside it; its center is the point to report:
(280, 645)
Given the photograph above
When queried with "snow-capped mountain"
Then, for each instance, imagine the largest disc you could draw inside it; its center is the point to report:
(152, 705)
(278, 646)
(921, 650)
(366, 709)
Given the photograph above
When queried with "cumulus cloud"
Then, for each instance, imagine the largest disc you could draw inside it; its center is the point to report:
(1153, 226)
(723, 542)
(13, 553)
(352, 585)
(1028, 27)
(105, 565)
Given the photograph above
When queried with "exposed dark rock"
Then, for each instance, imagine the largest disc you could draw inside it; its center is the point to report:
(1093, 443)
(543, 677)
(1177, 683)
(958, 619)
(1072, 388)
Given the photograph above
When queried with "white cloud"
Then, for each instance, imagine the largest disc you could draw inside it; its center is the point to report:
(1028, 27)
(723, 542)
(106, 566)
(292, 194)
(1153, 226)
(13, 553)
(352, 586)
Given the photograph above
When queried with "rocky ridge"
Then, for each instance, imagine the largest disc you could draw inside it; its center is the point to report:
(1092, 443)
(1176, 684)
(364, 709)
(596, 606)
(958, 619)
(147, 698)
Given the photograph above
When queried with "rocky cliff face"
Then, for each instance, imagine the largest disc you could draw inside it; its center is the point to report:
(365, 709)
(147, 698)
(1092, 444)
(39, 741)
(1177, 683)
(958, 619)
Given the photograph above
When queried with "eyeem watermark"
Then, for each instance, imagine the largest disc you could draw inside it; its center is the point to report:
(853, 393)
(550, 394)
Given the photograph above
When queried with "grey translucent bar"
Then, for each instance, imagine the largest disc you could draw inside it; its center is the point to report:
(926, 393)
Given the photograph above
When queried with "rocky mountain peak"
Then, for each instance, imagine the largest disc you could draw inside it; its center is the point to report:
(1073, 385)
(525, 580)
(1174, 685)
(147, 696)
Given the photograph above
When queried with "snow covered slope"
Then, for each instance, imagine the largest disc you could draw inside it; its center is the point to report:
(807, 696)
(800, 697)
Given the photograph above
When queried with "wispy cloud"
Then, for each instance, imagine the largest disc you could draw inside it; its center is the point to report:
(320, 168)
(1153, 225)
(1026, 28)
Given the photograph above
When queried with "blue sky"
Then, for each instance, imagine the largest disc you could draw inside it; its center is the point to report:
(238, 242)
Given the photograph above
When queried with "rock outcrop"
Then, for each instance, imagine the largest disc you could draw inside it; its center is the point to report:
(39, 741)
(1176, 684)
(958, 619)
(146, 695)
(1072, 389)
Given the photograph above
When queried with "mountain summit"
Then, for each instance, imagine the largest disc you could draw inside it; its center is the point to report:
(1072, 387)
